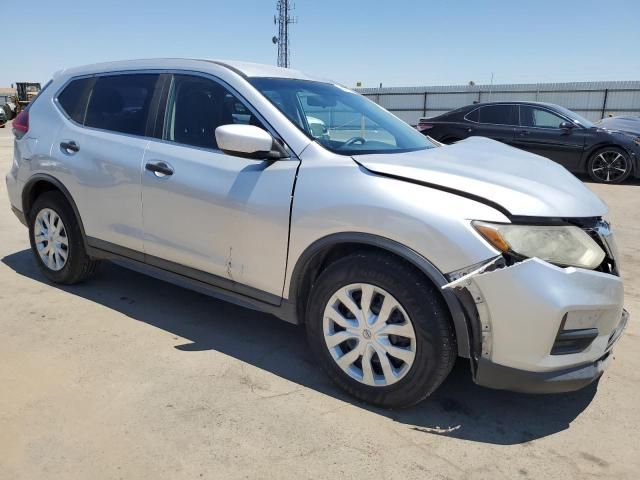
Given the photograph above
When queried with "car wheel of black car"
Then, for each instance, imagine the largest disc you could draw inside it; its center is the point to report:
(450, 140)
(381, 330)
(609, 165)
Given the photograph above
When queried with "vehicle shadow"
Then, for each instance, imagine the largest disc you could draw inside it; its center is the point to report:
(459, 408)
(635, 181)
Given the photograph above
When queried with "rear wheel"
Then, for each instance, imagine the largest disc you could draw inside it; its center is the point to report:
(380, 330)
(56, 240)
(451, 140)
(609, 165)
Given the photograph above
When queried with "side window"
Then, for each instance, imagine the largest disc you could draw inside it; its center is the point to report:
(197, 106)
(473, 115)
(120, 103)
(498, 114)
(73, 99)
(538, 117)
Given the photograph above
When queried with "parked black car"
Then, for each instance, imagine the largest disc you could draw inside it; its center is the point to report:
(549, 130)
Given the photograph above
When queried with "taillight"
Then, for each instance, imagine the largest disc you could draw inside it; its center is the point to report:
(422, 126)
(21, 124)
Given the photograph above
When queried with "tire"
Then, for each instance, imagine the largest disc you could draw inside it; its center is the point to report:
(420, 305)
(451, 140)
(606, 165)
(77, 266)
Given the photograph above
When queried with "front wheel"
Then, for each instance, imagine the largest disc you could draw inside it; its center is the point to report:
(381, 330)
(609, 165)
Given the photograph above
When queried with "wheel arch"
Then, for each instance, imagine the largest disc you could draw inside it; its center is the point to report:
(588, 153)
(40, 183)
(324, 251)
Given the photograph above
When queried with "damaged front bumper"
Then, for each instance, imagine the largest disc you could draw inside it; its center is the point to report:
(541, 328)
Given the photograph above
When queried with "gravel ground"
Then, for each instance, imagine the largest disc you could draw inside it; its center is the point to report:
(129, 377)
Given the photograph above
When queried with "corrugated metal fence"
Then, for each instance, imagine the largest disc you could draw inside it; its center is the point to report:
(592, 100)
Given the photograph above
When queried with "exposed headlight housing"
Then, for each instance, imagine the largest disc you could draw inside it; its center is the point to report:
(563, 245)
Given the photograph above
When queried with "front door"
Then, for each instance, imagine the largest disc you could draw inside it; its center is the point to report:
(215, 217)
(540, 133)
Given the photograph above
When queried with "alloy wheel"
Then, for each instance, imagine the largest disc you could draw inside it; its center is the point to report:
(51, 239)
(609, 166)
(369, 334)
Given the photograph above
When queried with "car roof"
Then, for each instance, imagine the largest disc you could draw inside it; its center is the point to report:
(542, 104)
(244, 69)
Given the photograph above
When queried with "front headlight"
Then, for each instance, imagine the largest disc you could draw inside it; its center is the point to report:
(563, 245)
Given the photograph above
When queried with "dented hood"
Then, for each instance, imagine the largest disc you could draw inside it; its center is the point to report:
(519, 182)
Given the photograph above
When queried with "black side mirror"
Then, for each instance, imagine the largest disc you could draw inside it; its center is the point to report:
(567, 125)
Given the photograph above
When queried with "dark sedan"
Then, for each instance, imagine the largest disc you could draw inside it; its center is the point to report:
(549, 130)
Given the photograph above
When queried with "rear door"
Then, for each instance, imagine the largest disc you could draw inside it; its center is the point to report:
(103, 143)
(539, 132)
(219, 218)
(497, 122)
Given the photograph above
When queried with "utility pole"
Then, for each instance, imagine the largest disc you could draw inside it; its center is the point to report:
(283, 19)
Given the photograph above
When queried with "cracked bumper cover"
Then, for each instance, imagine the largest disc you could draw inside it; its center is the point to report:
(521, 310)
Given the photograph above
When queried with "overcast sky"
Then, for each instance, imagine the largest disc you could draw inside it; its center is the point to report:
(398, 43)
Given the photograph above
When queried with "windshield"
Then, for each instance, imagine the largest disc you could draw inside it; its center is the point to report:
(340, 120)
(579, 119)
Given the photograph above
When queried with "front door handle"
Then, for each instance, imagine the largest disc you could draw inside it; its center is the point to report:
(160, 169)
(69, 147)
(522, 133)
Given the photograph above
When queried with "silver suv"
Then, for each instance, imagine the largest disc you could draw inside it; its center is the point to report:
(298, 197)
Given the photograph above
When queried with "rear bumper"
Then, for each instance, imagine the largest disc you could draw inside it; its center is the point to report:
(493, 375)
(14, 190)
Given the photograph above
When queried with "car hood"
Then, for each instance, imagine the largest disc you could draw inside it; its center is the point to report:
(517, 182)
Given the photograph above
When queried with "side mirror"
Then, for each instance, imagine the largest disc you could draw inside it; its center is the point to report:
(248, 141)
(566, 125)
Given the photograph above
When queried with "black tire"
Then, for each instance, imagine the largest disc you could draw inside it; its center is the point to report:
(79, 266)
(451, 140)
(435, 339)
(599, 158)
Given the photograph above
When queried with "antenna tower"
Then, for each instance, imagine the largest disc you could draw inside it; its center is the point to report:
(283, 19)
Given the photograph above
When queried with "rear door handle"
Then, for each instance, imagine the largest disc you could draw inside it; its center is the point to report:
(523, 132)
(160, 169)
(70, 147)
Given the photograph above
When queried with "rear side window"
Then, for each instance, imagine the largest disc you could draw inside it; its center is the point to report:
(498, 114)
(73, 99)
(121, 103)
(474, 115)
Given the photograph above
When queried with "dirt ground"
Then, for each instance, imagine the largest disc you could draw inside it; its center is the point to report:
(129, 377)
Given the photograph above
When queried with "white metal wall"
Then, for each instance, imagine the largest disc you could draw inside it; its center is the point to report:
(590, 99)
